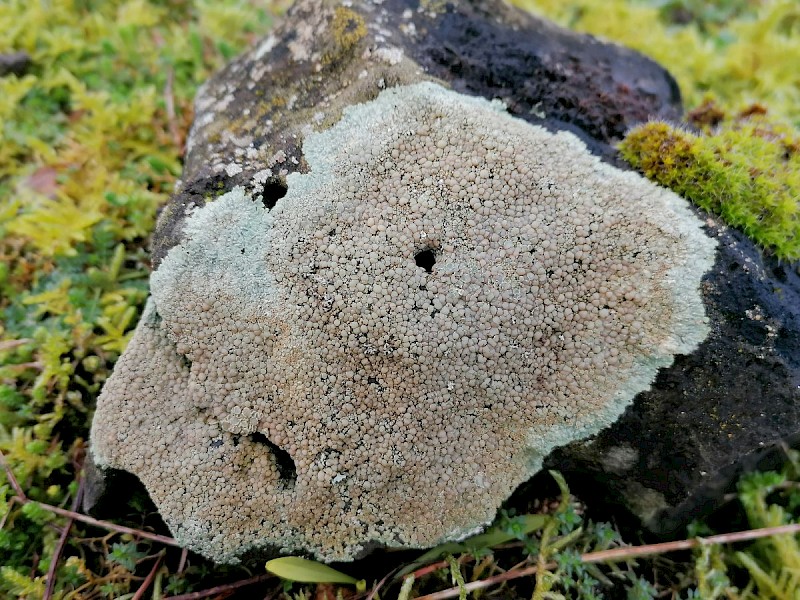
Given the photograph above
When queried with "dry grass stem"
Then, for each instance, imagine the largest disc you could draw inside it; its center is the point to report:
(149, 579)
(618, 554)
(71, 514)
(12, 480)
(51, 572)
(221, 589)
(182, 561)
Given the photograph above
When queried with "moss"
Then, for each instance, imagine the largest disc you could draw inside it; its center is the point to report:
(90, 145)
(348, 28)
(745, 168)
(89, 131)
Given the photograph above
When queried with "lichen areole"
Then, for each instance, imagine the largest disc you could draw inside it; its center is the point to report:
(386, 354)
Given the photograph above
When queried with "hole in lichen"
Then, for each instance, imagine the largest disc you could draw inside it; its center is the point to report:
(274, 190)
(286, 467)
(425, 259)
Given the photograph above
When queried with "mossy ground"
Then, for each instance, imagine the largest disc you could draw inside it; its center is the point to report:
(90, 146)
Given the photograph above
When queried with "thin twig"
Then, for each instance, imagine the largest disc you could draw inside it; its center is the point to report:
(379, 585)
(626, 553)
(27, 365)
(437, 565)
(62, 540)
(221, 589)
(11, 478)
(484, 583)
(182, 561)
(102, 524)
(149, 579)
(8, 512)
(11, 344)
(664, 547)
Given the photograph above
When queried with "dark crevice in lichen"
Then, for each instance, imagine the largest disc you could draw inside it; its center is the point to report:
(283, 461)
(425, 259)
(274, 190)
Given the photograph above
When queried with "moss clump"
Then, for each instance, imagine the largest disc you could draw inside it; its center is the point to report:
(348, 28)
(90, 145)
(744, 168)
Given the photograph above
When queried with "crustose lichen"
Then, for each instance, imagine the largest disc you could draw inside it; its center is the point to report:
(395, 346)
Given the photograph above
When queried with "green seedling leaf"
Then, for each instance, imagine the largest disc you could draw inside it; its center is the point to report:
(562, 486)
(309, 571)
(405, 589)
(565, 541)
(495, 536)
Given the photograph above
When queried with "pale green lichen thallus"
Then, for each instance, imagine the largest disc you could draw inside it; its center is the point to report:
(385, 355)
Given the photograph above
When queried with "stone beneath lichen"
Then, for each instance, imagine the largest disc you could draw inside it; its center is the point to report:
(252, 117)
(447, 295)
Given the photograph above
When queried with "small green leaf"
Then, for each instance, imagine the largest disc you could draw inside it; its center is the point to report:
(307, 571)
(496, 536)
(405, 589)
(126, 554)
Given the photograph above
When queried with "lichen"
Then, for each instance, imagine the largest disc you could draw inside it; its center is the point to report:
(348, 28)
(385, 355)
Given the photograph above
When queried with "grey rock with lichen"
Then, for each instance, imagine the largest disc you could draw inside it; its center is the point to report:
(446, 286)
(296, 360)
(251, 118)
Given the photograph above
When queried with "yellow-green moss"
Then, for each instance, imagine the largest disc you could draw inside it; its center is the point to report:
(738, 52)
(348, 28)
(90, 145)
(744, 168)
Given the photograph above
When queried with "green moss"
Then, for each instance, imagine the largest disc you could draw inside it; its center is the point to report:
(91, 143)
(348, 27)
(90, 146)
(744, 168)
(738, 53)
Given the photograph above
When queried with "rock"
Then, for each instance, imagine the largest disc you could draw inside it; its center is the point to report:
(725, 408)
(15, 63)
(326, 56)
(384, 355)
(253, 119)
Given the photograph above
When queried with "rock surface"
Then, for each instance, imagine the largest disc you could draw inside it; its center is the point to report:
(251, 118)
(679, 445)
(390, 350)
(725, 408)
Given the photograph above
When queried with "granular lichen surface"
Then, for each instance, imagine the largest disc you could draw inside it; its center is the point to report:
(394, 347)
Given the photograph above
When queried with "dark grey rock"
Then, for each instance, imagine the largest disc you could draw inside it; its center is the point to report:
(724, 409)
(15, 63)
(326, 56)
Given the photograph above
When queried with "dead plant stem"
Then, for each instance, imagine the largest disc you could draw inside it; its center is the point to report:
(618, 554)
(62, 540)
